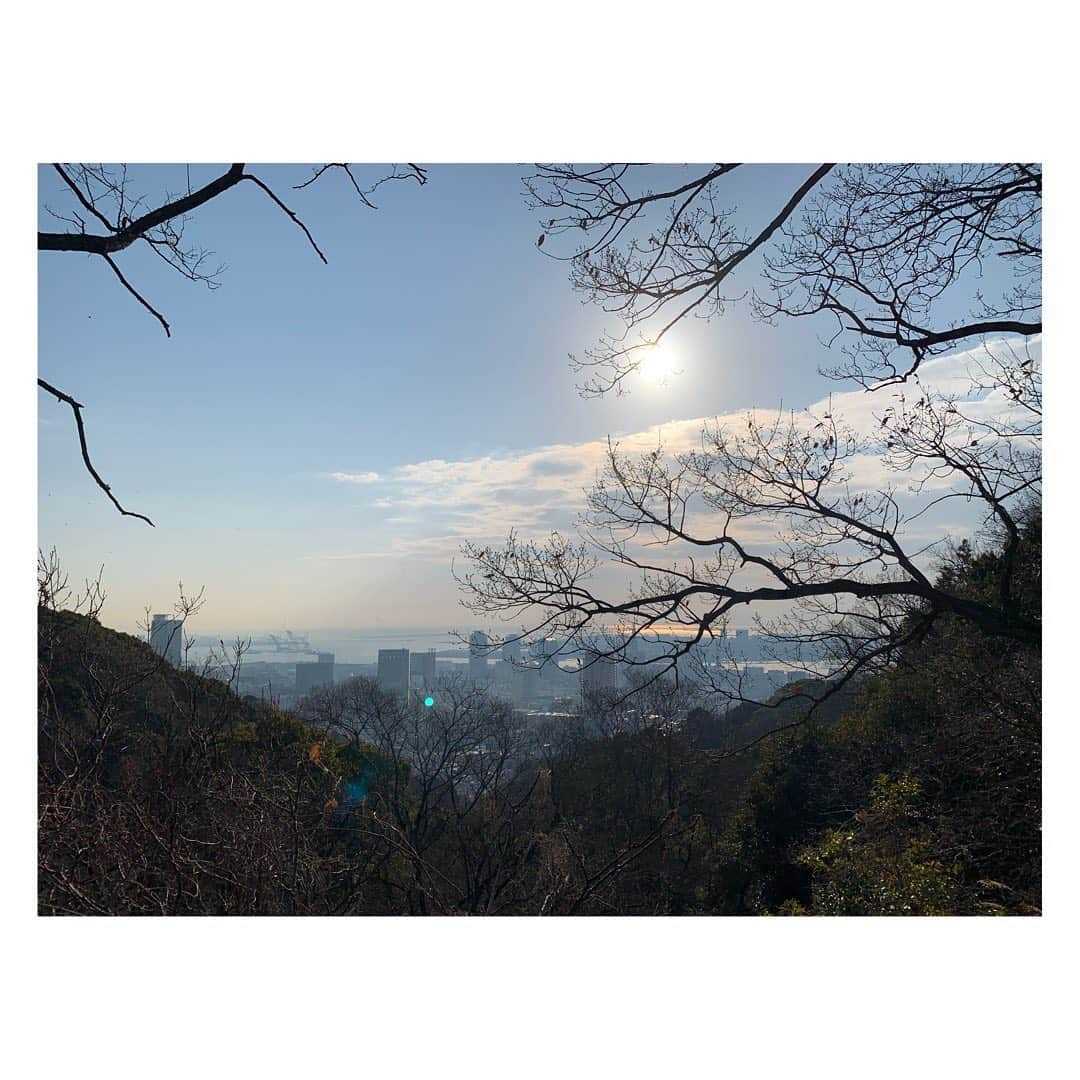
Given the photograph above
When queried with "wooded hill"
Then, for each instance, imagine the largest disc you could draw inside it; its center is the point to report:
(915, 791)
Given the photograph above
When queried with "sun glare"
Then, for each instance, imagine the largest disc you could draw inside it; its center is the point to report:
(657, 366)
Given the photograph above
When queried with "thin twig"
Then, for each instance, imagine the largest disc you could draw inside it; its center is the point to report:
(134, 292)
(311, 239)
(77, 408)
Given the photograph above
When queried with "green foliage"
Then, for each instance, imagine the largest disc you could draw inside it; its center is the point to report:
(882, 864)
(923, 797)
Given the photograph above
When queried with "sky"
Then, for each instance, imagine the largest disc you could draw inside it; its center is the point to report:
(314, 442)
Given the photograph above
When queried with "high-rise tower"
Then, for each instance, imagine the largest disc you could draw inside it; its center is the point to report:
(478, 665)
(314, 673)
(393, 675)
(166, 638)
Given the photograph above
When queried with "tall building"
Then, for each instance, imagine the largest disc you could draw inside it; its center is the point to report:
(754, 684)
(314, 673)
(523, 684)
(547, 648)
(545, 651)
(599, 678)
(422, 670)
(393, 674)
(478, 665)
(166, 638)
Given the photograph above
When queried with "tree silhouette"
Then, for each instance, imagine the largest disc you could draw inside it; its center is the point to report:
(879, 248)
(771, 513)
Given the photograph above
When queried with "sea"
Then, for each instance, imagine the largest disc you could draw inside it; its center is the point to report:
(348, 646)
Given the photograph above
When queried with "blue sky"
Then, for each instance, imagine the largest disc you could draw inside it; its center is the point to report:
(313, 441)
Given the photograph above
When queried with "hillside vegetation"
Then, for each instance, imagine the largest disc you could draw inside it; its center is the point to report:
(916, 791)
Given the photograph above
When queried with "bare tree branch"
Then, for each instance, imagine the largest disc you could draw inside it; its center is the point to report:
(415, 173)
(76, 409)
(134, 230)
(105, 193)
(795, 533)
(142, 300)
(311, 239)
(876, 248)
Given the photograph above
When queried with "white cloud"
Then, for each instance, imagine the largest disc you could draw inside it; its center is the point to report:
(440, 503)
(356, 478)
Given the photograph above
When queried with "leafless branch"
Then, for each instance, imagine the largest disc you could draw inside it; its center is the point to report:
(875, 248)
(76, 410)
(311, 239)
(138, 296)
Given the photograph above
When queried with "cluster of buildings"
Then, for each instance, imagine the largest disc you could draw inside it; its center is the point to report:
(759, 683)
(400, 672)
(530, 679)
(505, 671)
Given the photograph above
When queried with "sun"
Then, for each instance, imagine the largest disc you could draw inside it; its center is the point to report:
(657, 365)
